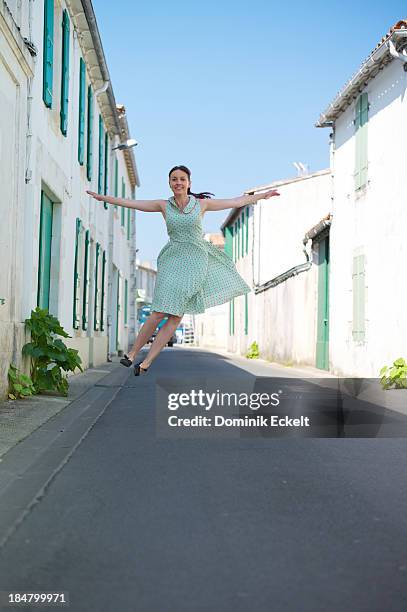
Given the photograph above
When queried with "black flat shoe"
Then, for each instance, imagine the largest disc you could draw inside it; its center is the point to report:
(126, 361)
(139, 370)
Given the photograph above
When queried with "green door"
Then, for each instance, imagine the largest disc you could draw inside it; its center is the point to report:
(322, 360)
(44, 263)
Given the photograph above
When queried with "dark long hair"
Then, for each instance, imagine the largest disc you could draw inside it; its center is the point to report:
(201, 196)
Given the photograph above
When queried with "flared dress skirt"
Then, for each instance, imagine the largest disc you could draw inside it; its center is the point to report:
(192, 273)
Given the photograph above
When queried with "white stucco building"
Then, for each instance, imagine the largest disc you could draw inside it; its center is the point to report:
(368, 286)
(60, 128)
(276, 246)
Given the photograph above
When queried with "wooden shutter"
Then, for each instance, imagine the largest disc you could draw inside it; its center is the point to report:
(96, 320)
(125, 300)
(123, 218)
(106, 182)
(358, 286)
(76, 277)
(116, 179)
(361, 158)
(128, 223)
(65, 73)
(89, 144)
(48, 52)
(102, 293)
(246, 314)
(100, 156)
(44, 260)
(228, 241)
(82, 102)
(247, 229)
(85, 301)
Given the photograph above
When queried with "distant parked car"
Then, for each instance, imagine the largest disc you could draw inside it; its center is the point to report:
(173, 340)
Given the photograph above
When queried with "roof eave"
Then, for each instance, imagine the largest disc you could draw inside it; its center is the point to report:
(369, 69)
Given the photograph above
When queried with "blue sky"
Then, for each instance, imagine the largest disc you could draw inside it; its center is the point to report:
(231, 89)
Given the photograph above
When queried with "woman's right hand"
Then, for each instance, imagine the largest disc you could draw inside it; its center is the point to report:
(97, 196)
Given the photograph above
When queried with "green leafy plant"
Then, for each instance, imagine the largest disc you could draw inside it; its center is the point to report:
(20, 385)
(395, 375)
(253, 352)
(50, 357)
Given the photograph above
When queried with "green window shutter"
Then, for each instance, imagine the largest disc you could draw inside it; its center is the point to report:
(106, 182)
(125, 300)
(123, 218)
(243, 233)
(89, 144)
(65, 73)
(358, 286)
(246, 314)
(85, 301)
(44, 262)
(235, 242)
(229, 241)
(96, 300)
(82, 102)
(239, 237)
(247, 229)
(76, 278)
(102, 293)
(361, 121)
(100, 156)
(232, 317)
(116, 179)
(48, 52)
(128, 223)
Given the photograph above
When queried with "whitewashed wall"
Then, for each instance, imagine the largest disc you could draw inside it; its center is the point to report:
(282, 320)
(375, 222)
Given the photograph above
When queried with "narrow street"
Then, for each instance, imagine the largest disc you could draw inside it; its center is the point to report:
(122, 519)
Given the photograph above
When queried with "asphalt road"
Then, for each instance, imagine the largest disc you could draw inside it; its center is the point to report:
(125, 520)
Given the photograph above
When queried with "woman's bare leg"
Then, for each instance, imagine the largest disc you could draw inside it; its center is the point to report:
(145, 333)
(161, 339)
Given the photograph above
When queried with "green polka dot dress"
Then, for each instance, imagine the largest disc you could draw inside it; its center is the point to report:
(192, 273)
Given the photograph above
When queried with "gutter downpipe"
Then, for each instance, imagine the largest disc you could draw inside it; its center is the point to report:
(295, 270)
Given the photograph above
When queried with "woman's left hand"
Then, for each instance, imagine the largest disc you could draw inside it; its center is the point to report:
(269, 194)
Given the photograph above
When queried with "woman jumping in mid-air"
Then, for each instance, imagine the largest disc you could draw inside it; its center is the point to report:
(192, 273)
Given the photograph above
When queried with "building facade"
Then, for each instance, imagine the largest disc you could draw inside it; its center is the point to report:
(279, 247)
(368, 287)
(63, 250)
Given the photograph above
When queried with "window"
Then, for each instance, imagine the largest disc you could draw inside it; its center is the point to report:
(48, 52)
(361, 119)
(358, 286)
(89, 152)
(82, 102)
(65, 73)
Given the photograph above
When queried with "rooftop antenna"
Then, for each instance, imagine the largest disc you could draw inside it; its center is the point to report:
(302, 169)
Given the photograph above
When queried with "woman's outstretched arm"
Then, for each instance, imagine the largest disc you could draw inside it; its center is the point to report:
(144, 205)
(212, 204)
